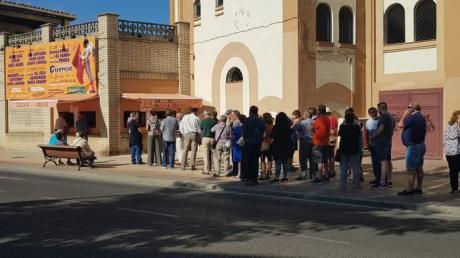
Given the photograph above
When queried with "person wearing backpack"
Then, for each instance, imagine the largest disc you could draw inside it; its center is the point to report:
(153, 139)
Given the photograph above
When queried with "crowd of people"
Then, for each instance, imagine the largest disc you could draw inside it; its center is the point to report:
(246, 147)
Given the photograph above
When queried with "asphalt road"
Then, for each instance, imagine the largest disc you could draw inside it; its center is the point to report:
(46, 216)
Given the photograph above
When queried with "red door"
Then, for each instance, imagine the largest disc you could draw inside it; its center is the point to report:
(431, 101)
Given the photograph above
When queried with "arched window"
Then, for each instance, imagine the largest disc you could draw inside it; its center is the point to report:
(197, 9)
(323, 23)
(395, 24)
(425, 20)
(234, 75)
(346, 25)
(219, 3)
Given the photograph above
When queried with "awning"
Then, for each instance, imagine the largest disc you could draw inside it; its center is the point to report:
(51, 101)
(164, 101)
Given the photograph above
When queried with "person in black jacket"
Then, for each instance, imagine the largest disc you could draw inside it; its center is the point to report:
(350, 137)
(282, 146)
(253, 132)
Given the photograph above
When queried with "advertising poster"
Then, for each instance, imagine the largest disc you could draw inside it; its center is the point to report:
(53, 69)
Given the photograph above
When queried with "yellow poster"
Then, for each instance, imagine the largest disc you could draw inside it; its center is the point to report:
(53, 69)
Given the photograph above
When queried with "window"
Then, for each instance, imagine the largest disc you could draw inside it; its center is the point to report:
(126, 115)
(425, 20)
(90, 118)
(346, 25)
(219, 3)
(69, 118)
(197, 9)
(395, 24)
(234, 75)
(323, 23)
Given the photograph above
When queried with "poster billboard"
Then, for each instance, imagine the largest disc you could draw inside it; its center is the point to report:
(53, 69)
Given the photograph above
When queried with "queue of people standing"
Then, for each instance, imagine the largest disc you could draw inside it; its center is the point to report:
(235, 145)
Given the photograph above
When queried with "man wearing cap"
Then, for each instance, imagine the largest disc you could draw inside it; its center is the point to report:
(207, 141)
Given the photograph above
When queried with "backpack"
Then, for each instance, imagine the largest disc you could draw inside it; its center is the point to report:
(155, 126)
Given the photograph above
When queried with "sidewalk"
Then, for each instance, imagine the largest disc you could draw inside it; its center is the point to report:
(436, 199)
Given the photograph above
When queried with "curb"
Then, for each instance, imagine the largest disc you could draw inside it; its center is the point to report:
(428, 208)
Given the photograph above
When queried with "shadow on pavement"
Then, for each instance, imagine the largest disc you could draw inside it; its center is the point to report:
(178, 223)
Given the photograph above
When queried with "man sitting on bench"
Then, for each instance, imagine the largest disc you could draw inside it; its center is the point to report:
(86, 151)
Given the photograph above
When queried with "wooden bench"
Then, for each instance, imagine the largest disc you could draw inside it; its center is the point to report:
(54, 152)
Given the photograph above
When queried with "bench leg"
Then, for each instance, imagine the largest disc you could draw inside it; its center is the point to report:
(49, 160)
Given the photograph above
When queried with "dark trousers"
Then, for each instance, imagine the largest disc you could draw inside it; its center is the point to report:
(376, 164)
(235, 168)
(250, 164)
(454, 169)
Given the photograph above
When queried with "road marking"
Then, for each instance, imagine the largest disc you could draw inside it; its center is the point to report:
(10, 178)
(310, 237)
(48, 198)
(437, 186)
(149, 212)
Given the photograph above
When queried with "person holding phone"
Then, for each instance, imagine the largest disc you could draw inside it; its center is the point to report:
(413, 137)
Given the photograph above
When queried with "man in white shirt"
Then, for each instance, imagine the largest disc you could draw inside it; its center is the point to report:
(190, 130)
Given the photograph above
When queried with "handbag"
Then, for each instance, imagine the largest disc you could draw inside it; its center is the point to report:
(241, 142)
(338, 155)
(265, 147)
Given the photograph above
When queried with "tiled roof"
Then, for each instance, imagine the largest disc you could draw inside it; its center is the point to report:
(29, 7)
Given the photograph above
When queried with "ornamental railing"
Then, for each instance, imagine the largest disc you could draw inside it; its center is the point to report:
(25, 38)
(146, 29)
(73, 31)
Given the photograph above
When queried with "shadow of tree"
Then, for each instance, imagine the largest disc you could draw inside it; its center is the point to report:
(177, 223)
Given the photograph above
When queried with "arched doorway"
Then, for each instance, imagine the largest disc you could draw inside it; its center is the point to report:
(234, 85)
(234, 89)
(232, 55)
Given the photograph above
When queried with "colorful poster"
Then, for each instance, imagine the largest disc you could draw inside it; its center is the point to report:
(53, 69)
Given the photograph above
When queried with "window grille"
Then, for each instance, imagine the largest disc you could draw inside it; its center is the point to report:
(425, 20)
(90, 118)
(346, 25)
(197, 9)
(323, 23)
(219, 3)
(395, 22)
(234, 75)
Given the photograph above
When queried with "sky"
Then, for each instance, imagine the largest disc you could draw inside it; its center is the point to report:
(156, 11)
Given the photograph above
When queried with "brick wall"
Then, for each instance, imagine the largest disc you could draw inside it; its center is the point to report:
(26, 120)
(147, 55)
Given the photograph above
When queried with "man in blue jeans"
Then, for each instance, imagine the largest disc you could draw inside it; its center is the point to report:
(371, 129)
(413, 137)
(168, 128)
(135, 140)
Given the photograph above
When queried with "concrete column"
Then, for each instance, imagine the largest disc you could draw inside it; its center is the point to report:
(183, 60)
(109, 81)
(47, 32)
(3, 100)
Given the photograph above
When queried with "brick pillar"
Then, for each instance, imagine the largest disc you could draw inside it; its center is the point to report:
(109, 80)
(183, 60)
(47, 32)
(3, 101)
